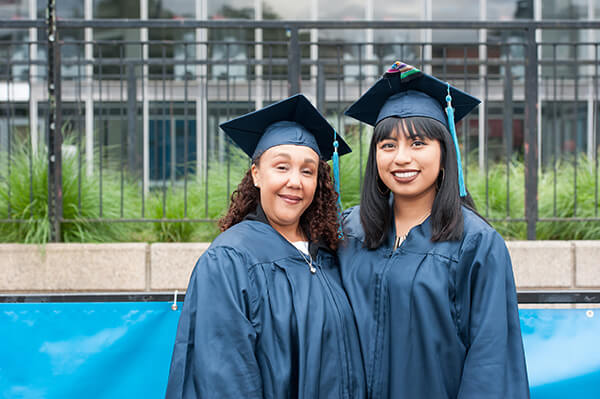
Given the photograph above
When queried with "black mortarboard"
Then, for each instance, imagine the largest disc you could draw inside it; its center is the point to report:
(291, 121)
(405, 91)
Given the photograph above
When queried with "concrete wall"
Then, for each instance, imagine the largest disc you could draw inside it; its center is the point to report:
(164, 267)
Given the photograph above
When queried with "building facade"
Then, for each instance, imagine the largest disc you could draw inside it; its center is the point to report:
(155, 95)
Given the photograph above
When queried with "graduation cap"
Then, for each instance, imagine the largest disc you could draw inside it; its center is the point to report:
(291, 121)
(405, 91)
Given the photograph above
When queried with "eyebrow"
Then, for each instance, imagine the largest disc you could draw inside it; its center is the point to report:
(288, 156)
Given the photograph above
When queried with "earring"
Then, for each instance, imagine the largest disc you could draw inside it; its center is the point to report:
(441, 182)
(385, 191)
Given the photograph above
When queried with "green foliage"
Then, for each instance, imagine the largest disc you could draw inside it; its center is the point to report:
(23, 196)
(204, 201)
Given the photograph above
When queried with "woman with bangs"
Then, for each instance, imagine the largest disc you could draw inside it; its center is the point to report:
(429, 280)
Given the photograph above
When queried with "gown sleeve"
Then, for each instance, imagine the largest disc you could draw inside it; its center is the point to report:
(494, 366)
(214, 353)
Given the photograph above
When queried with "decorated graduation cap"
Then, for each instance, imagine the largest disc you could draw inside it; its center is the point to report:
(291, 121)
(404, 91)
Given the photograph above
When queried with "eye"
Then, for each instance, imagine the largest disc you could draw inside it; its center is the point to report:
(308, 172)
(418, 143)
(387, 145)
(282, 167)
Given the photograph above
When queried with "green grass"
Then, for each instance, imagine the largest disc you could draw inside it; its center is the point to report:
(122, 198)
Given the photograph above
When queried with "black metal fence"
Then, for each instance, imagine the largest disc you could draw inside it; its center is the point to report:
(131, 108)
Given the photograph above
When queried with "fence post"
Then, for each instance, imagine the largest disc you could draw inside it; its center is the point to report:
(293, 62)
(531, 147)
(132, 152)
(320, 86)
(54, 126)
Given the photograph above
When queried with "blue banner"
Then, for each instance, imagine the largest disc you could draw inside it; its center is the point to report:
(118, 350)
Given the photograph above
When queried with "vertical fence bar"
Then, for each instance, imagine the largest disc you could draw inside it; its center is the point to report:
(132, 153)
(293, 62)
(507, 123)
(54, 125)
(531, 150)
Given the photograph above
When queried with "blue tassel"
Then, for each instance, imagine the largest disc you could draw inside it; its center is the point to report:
(450, 114)
(336, 178)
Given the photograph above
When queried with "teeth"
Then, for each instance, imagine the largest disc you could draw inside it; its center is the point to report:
(405, 174)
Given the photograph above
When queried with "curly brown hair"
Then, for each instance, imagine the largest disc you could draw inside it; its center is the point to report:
(319, 221)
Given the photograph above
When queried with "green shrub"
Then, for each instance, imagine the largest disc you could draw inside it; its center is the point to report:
(25, 193)
(208, 199)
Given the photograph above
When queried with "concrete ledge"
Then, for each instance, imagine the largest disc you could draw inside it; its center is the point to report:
(72, 267)
(166, 267)
(547, 264)
(587, 257)
(172, 264)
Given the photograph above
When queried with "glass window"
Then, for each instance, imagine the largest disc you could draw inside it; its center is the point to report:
(352, 9)
(110, 46)
(509, 9)
(240, 9)
(455, 10)
(169, 152)
(392, 45)
(15, 9)
(116, 9)
(275, 9)
(561, 44)
(72, 46)
(172, 9)
(112, 138)
(65, 8)
(227, 45)
(177, 46)
(14, 47)
(177, 51)
(388, 11)
(564, 9)
(564, 128)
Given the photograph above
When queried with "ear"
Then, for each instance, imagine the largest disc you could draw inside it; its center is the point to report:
(255, 175)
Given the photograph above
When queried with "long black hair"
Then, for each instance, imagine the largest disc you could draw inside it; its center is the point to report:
(446, 214)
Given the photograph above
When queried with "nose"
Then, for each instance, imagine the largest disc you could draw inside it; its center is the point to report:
(403, 155)
(294, 180)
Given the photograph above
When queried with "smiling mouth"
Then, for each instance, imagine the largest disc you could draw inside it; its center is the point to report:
(405, 175)
(290, 199)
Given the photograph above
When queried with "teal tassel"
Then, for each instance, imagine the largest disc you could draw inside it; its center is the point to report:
(336, 177)
(450, 114)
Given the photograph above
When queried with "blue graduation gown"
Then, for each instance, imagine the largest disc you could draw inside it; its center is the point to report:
(256, 323)
(436, 320)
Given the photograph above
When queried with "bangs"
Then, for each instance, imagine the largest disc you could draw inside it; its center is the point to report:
(416, 127)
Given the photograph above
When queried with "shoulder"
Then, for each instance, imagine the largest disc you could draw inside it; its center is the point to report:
(479, 236)
(475, 227)
(351, 223)
(256, 241)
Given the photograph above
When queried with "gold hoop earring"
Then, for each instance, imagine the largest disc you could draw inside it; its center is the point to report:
(384, 192)
(441, 182)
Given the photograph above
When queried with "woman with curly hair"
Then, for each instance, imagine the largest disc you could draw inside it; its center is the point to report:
(265, 315)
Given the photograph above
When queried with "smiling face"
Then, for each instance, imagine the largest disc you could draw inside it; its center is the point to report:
(409, 165)
(287, 178)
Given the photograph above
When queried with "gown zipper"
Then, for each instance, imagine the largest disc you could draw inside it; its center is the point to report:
(325, 281)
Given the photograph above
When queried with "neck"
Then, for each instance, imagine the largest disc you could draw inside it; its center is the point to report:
(292, 233)
(409, 212)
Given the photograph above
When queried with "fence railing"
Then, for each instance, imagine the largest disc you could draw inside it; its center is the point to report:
(124, 114)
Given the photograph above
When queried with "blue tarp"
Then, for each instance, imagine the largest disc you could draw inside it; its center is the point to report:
(122, 350)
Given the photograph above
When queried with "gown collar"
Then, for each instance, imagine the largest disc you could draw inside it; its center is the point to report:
(258, 215)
